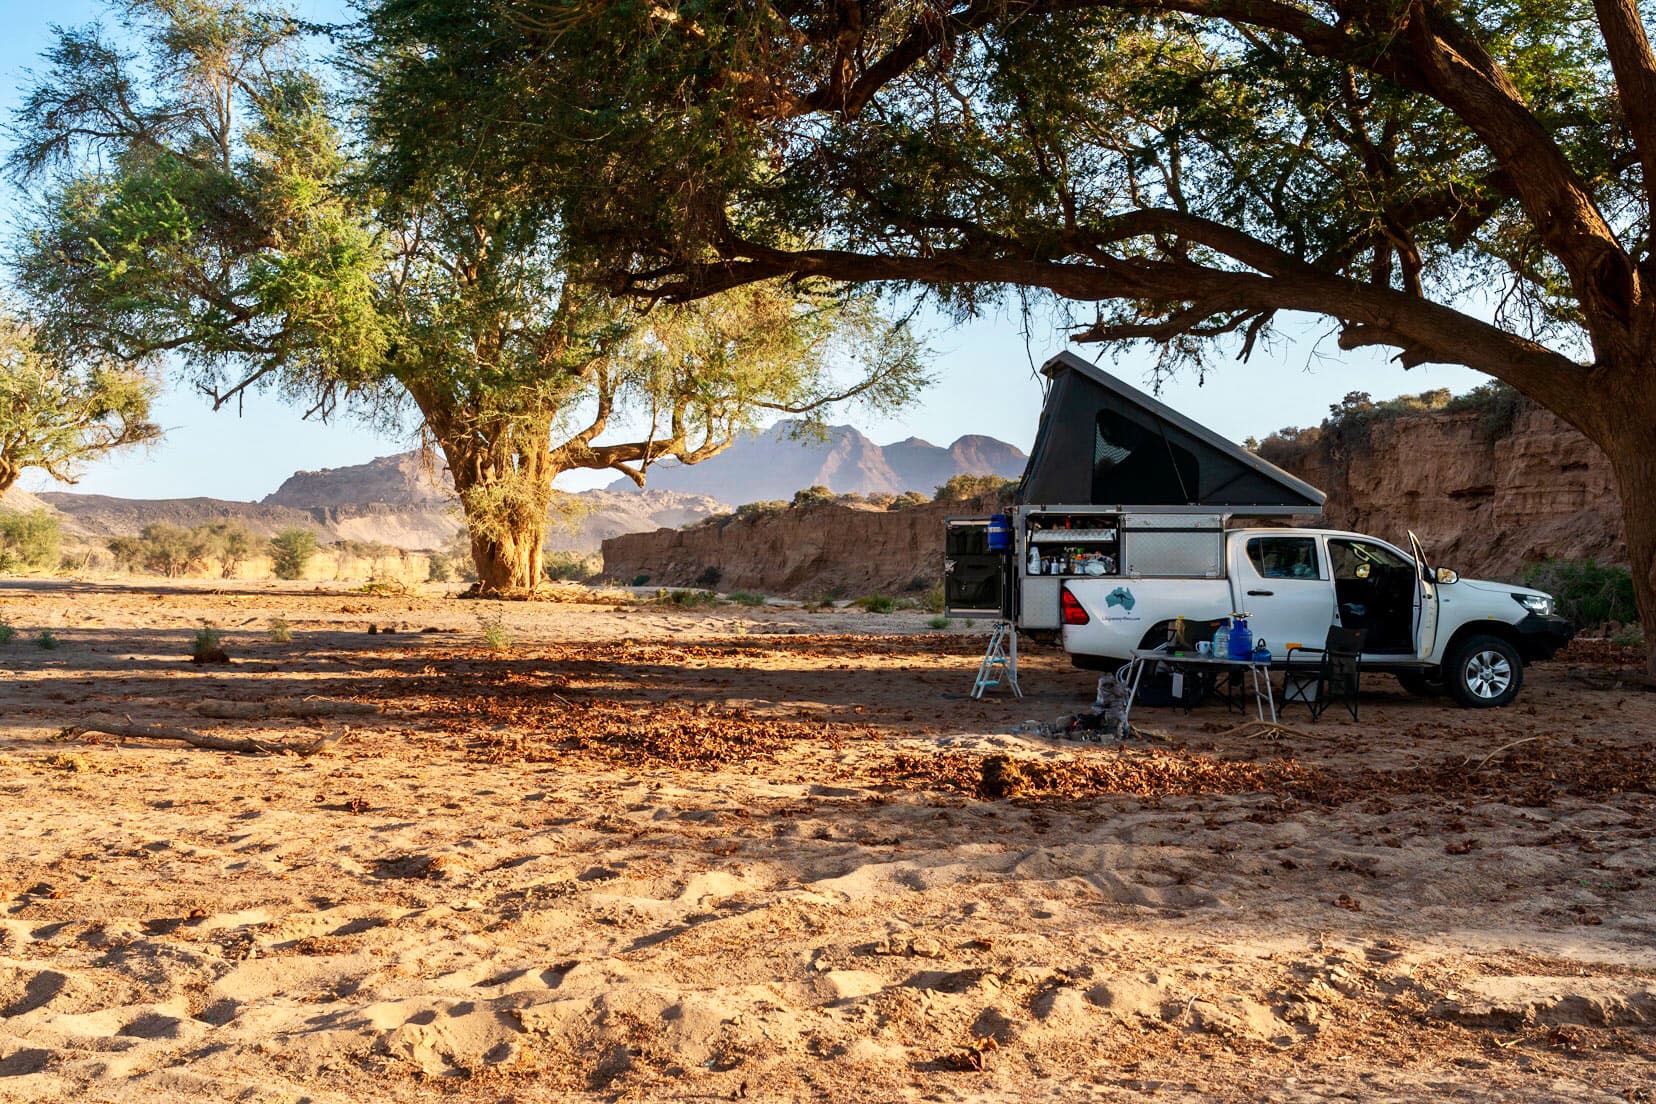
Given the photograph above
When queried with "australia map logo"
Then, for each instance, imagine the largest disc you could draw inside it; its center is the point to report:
(1122, 597)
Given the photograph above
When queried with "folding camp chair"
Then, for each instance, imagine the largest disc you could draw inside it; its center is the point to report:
(1332, 676)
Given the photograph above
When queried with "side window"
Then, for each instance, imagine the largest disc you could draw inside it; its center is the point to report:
(1284, 557)
(1357, 559)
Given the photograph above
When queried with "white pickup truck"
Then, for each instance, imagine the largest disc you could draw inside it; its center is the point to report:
(1429, 627)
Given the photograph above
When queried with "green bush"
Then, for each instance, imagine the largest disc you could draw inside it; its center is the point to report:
(686, 599)
(437, 568)
(876, 603)
(709, 577)
(746, 598)
(572, 567)
(1631, 636)
(280, 631)
(753, 510)
(1587, 592)
(29, 540)
(7, 633)
(907, 499)
(939, 623)
(291, 550)
(962, 487)
(817, 495)
(47, 640)
(206, 644)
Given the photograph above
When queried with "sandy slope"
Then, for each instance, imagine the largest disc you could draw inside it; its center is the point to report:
(657, 855)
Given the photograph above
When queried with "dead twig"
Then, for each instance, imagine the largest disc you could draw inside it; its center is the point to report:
(127, 729)
(1482, 763)
(1270, 730)
(289, 707)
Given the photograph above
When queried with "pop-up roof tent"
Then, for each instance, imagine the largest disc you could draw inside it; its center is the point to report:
(1103, 443)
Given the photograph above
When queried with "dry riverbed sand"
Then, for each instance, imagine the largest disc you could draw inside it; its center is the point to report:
(646, 853)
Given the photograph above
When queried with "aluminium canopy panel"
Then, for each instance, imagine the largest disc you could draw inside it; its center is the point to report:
(1104, 443)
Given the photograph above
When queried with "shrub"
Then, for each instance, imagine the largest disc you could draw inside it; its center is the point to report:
(709, 577)
(939, 623)
(573, 567)
(1630, 636)
(816, 495)
(687, 599)
(746, 598)
(640, 580)
(753, 510)
(291, 550)
(47, 640)
(876, 603)
(959, 488)
(280, 631)
(496, 637)
(7, 633)
(907, 499)
(205, 648)
(29, 540)
(1587, 592)
(437, 568)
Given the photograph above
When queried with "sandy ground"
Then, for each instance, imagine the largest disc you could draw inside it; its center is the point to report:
(655, 854)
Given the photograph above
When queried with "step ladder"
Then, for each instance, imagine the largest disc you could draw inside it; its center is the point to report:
(1000, 661)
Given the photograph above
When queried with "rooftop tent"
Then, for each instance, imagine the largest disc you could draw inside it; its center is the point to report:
(1103, 443)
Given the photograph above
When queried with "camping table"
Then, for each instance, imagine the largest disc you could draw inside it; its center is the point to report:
(1258, 670)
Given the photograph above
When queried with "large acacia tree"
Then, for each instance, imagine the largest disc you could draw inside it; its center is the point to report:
(1459, 181)
(206, 199)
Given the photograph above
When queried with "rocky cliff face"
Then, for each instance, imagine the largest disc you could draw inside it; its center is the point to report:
(1487, 495)
(802, 552)
(407, 479)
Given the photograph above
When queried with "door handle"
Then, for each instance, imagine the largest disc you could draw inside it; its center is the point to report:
(1261, 593)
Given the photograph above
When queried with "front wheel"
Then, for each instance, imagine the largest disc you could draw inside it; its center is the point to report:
(1484, 672)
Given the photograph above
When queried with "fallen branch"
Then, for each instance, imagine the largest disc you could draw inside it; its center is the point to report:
(1482, 763)
(127, 729)
(1269, 730)
(288, 707)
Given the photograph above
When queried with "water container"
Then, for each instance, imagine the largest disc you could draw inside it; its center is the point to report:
(1000, 533)
(1241, 639)
(1221, 641)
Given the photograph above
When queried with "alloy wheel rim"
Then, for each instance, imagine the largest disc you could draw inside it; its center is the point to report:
(1488, 674)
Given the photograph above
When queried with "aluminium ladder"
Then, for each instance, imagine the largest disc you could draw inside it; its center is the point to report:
(1000, 661)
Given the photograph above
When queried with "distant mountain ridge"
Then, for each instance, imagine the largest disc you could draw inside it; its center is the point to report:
(773, 463)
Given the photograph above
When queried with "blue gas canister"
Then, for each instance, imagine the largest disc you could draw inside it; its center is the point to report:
(1241, 638)
(1000, 533)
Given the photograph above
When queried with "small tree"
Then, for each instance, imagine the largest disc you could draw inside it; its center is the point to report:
(29, 540)
(55, 414)
(231, 543)
(291, 551)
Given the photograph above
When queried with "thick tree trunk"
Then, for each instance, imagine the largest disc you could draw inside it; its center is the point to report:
(509, 564)
(1634, 462)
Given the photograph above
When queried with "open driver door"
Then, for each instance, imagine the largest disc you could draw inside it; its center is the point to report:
(1426, 599)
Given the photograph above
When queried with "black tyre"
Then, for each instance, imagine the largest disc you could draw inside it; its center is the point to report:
(1484, 672)
(1423, 683)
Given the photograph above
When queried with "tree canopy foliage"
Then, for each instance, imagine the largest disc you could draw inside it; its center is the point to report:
(203, 201)
(1461, 181)
(56, 412)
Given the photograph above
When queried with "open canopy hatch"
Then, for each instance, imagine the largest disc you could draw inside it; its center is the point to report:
(1104, 443)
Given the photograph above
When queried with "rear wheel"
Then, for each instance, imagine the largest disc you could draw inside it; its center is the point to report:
(1485, 671)
(1425, 684)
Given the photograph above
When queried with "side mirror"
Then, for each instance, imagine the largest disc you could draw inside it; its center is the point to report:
(1448, 575)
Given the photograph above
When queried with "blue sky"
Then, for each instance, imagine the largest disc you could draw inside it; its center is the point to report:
(985, 383)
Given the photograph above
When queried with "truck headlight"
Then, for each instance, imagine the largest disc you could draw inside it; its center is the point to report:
(1539, 604)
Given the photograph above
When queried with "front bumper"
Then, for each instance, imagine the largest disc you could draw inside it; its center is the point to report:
(1542, 637)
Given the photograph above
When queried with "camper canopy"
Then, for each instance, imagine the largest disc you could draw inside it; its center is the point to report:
(1103, 443)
